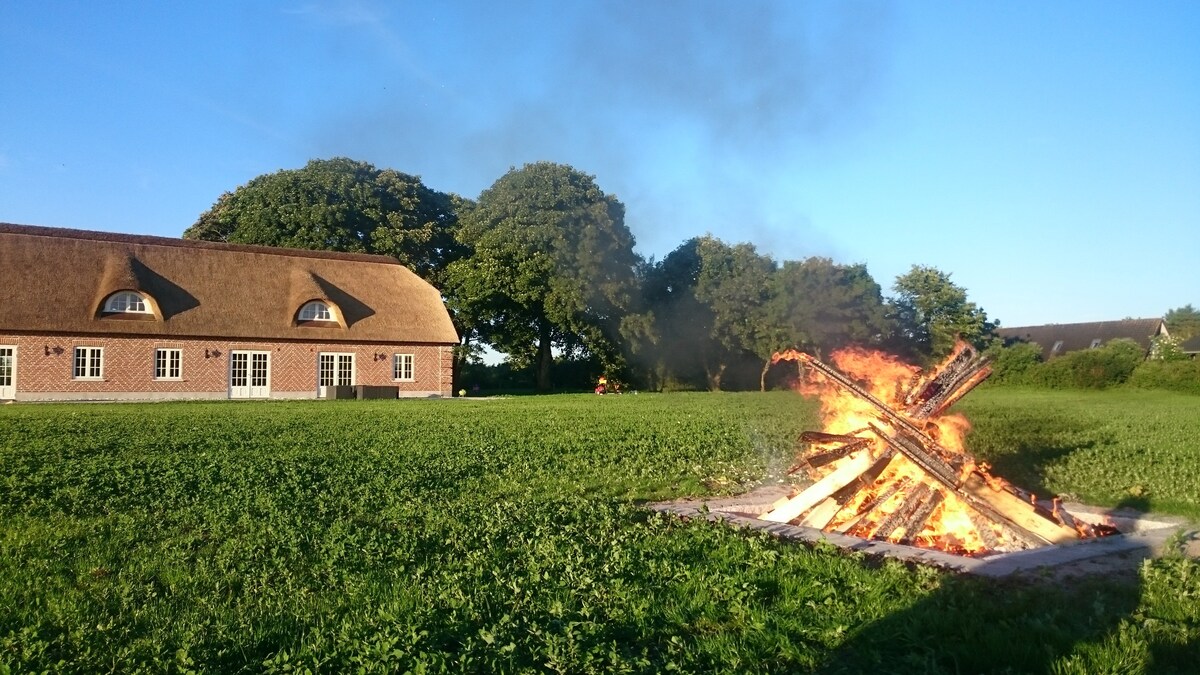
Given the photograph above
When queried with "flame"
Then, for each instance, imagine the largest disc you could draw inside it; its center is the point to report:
(951, 525)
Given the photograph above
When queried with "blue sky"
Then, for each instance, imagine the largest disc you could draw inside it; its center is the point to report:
(1046, 155)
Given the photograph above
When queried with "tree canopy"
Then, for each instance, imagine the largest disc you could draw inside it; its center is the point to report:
(340, 205)
(932, 312)
(734, 282)
(542, 267)
(823, 305)
(1183, 322)
(551, 267)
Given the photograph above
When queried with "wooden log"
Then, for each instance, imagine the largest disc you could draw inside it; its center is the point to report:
(872, 504)
(901, 515)
(917, 521)
(1017, 512)
(911, 446)
(952, 380)
(847, 470)
(820, 515)
(962, 390)
(822, 437)
(983, 526)
(938, 470)
(822, 458)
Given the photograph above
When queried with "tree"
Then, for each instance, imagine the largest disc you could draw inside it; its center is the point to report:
(340, 205)
(551, 267)
(932, 312)
(734, 283)
(823, 305)
(1183, 322)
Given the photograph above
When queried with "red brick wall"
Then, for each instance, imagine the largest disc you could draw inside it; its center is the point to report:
(45, 365)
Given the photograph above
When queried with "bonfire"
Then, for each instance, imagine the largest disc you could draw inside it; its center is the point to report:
(890, 463)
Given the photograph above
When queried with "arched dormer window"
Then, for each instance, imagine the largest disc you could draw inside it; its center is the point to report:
(127, 302)
(315, 311)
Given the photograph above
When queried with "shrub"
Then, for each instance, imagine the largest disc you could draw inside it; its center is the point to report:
(1100, 368)
(1014, 364)
(1165, 348)
(1181, 376)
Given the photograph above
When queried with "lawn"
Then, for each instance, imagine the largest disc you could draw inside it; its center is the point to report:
(505, 535)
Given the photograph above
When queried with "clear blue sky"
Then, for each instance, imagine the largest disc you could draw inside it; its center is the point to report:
(1046, 155)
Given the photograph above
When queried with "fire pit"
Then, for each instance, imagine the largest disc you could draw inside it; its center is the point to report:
(889, 475)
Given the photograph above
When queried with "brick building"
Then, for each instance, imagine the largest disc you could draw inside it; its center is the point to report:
(100, 316)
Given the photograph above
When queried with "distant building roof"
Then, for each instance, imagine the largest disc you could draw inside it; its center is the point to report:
(1059, 338)
(54, 280)
(1191, 346)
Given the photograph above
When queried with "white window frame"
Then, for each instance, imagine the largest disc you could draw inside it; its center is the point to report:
(127, 302)
(335, 369)
(168, 363)
(402, 363)
(87, 363)
(315, 310)
(1057, 347)
(1096, 343)
(9, 390)
(251, 387)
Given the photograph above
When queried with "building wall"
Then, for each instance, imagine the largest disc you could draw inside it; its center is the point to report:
(45, 365)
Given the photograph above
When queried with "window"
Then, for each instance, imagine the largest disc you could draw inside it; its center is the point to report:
(334, 370)
(89, 363)
(168, 364)
(315, 311)
(126, 302)
(1057, 346)
(1095, 343)
(402, 367)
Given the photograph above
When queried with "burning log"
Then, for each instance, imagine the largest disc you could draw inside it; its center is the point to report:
(892, 479)
(850, 469)
(965, 369)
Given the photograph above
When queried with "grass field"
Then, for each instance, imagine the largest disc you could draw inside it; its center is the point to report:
(504, 535)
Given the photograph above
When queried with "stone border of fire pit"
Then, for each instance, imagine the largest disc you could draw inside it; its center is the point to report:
(1142, 536)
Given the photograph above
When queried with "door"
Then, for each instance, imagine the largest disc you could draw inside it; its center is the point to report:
(8, 372)
(249, 374)
(333, 369)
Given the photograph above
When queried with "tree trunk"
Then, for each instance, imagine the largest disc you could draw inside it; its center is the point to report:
(762, 379)
(714, 377)
(545, 358)
(460, 359)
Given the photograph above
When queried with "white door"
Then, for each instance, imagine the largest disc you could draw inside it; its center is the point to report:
(8, 372)
(333, 369)
(249, 374)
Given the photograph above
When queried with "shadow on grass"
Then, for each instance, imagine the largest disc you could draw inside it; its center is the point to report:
(976, 625)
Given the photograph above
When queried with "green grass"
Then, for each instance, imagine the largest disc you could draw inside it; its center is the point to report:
(1121, 447)
(505, 536)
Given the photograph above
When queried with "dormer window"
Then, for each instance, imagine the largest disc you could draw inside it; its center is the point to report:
(126, 302)
(315, 311)
(1096, 343)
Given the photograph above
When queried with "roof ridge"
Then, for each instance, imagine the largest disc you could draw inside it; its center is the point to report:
(155, 240)
(1079, 323)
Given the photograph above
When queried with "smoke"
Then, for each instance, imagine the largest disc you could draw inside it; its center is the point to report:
(689, 112)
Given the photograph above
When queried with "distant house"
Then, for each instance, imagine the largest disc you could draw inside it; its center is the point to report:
(1059, 338)
(1191, 347)
(93, 316)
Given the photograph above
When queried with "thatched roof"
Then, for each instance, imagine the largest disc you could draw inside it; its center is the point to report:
(56, 280)
(1075, 336)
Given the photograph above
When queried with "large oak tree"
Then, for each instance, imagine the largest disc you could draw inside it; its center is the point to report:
(551, 267)
(340, 205)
